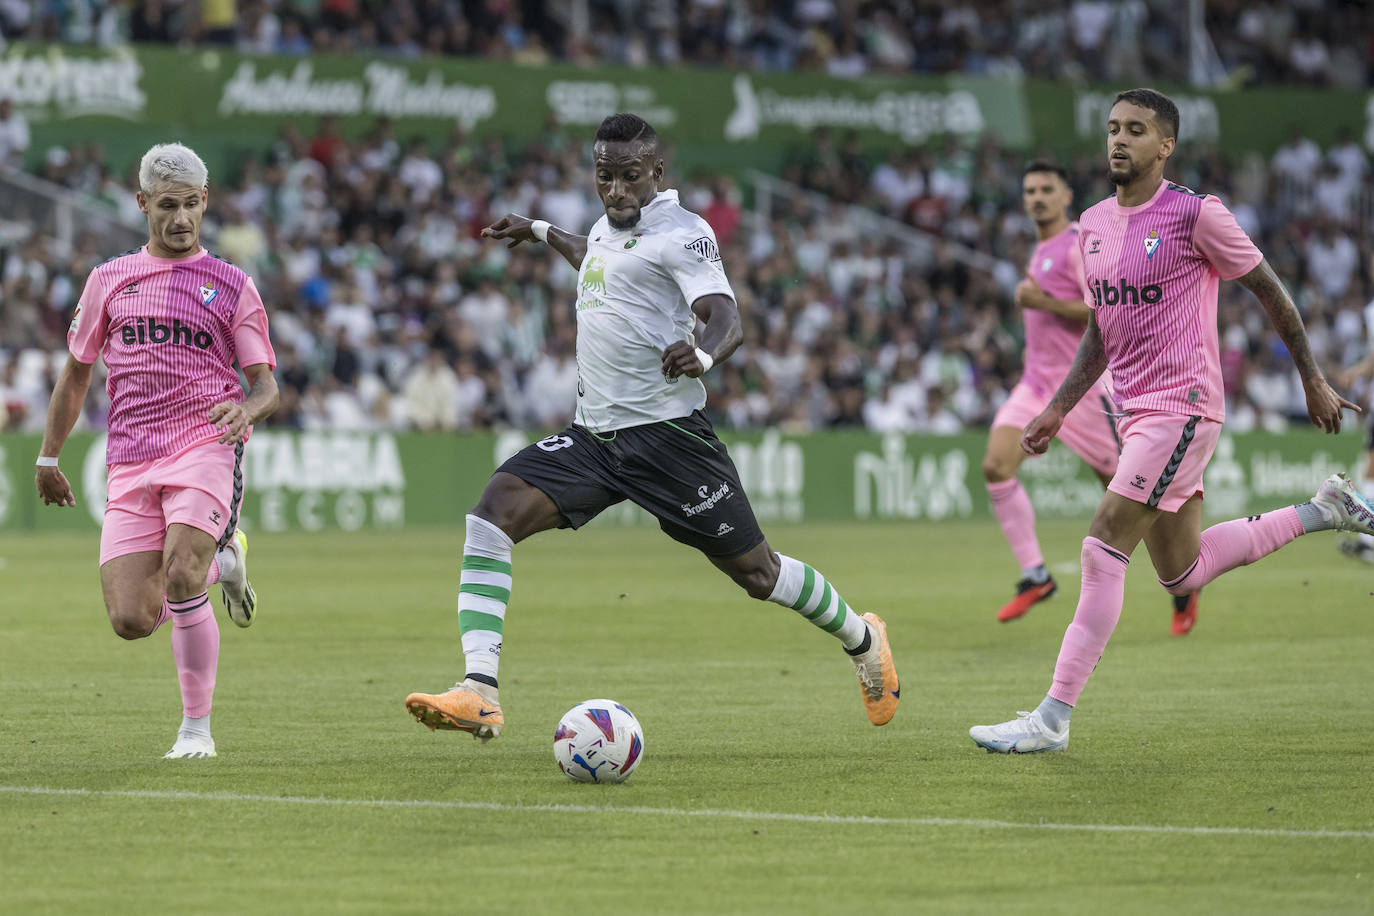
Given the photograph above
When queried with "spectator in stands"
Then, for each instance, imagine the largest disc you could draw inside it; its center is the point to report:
(14, 135)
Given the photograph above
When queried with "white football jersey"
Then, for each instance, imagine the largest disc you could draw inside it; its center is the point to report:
(635, 290)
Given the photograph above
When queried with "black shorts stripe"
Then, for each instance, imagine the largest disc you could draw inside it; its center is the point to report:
(237, 499)
(1175, 460)
(1109, 412)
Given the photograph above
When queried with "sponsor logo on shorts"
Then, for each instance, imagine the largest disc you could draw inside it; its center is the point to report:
(214, 516)
(723, 529)
(149, 330)
(1139, 482)
(708, 499)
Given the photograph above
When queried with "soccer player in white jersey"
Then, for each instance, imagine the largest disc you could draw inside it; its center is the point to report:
(648, 271)
(170, 321)
(1152, 256)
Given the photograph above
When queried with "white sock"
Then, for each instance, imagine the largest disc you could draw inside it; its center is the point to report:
(227, 561)
(805, 591)
(198, 727)
(483, 593)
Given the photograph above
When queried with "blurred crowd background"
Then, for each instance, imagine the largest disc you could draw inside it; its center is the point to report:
(1288, 42)
(388, 312)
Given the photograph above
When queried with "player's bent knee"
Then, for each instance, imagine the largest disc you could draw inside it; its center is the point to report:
(185, 576)
(133, 622)
(997, 471)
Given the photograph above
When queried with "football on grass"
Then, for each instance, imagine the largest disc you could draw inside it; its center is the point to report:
(598, 741)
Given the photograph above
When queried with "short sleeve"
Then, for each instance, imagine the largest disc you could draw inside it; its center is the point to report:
(1080, 277)
(1218, 238)
(694, 261)
(86, 334)
(251, 342)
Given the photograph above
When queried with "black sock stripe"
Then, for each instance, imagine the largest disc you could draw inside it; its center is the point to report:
(1113, 552)
(1171, 583)
(1175, 460)
(237, 500)
(188, 604)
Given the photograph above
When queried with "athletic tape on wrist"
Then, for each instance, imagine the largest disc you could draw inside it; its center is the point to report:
(707, 361)
(540, 228)
(45, 461)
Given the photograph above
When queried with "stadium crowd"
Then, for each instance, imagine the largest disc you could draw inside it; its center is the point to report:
(388, 313)
(1287, 42)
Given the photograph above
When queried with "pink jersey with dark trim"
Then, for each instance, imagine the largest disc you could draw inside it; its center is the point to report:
(170, 331)
(1152, 272)
(1051, 341)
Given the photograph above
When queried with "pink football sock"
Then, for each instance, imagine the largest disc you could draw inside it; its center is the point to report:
(1239, 542)
(1017, 518)
(213, 575)
(1099, 608)
(195, 647)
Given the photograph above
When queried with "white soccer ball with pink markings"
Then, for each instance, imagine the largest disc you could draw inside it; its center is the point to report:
(598, 741)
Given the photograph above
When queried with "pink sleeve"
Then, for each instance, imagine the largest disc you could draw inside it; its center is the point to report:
(1219, 238)
(86, 335)
(250, 330)
(1076, 265)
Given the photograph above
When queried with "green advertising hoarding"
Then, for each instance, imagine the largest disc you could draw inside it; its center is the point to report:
(355, 480)
(224, 103)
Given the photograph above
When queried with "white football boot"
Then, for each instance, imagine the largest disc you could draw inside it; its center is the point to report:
(1025, 734)
(240, 603)
(188, 746)
(1343, 506)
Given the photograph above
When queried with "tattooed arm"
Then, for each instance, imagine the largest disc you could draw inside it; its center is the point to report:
(1087, 368)
(1323, 403)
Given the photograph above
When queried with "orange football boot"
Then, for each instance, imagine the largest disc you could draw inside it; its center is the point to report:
(1027, 593)
(878, 675)
(1185, 613)
(464, 708)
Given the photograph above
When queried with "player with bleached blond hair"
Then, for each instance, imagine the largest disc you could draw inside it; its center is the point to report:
(170, 321)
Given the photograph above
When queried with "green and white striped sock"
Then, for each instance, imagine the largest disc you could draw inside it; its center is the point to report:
(483, 593)
(808, 593)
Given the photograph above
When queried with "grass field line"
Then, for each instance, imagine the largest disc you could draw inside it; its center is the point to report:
(724, 814)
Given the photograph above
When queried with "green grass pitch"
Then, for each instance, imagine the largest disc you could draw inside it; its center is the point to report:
(1223, 772)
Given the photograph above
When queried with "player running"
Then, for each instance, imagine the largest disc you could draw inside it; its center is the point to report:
(170, 321)
(647, 272)
(1152, 255)
(1051, 298)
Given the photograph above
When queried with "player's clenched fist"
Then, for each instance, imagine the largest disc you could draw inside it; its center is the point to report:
(1035, 438)
(680, 358)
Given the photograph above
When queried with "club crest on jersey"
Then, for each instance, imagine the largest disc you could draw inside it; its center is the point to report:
(208, 292)
(1151, 243)
(634, 241)
(1046, 264)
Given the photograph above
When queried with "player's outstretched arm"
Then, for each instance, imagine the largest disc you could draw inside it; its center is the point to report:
(1324, 405)
(721, 335)
(235, 417)
(519, 229)
(63, 411)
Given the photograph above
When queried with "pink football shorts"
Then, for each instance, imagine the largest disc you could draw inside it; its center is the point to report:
(1089, 430)
(1163, 456)
(196, 487)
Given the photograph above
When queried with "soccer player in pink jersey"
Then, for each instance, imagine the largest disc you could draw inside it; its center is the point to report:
(170, 322)
(1051, 298)
(1152, 257)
